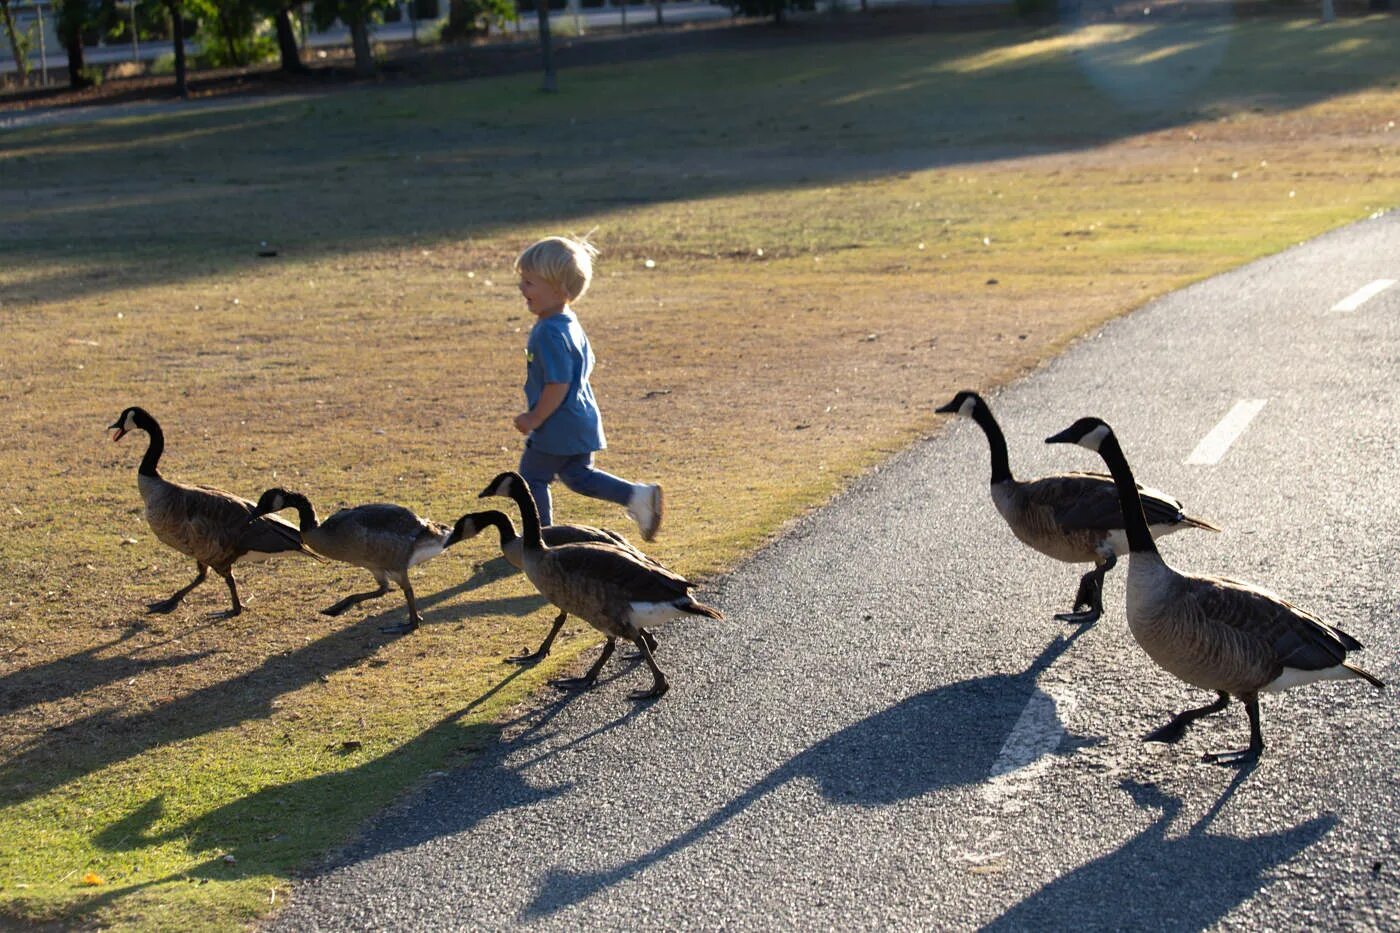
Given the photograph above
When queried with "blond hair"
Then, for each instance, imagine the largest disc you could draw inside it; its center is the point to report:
(564, 262)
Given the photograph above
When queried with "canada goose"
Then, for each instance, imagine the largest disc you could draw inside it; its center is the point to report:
(384, 539)
(208, 524)
(1073, 517)
(512, 549)
(605, 585)
(1214, 633)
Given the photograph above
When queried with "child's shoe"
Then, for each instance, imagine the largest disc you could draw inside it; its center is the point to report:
(646, 508)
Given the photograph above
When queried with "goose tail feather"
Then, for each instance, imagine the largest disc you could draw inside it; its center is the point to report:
(1200, 523)
(1365, 675)
(700, 609)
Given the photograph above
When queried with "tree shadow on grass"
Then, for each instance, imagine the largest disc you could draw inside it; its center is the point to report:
(446, 164)
(1154, 867)
(947, 737)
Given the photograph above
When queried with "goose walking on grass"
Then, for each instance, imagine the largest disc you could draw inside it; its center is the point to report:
(1218, 634)
(512, 549)
(207, 524)
(1073, 517)
(609, 587)
(384, 539)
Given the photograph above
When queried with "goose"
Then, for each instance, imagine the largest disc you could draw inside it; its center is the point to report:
(208, 524)
(1215, 633)
(512, 549)
(384, 539)
(607, 586)
(1073, 517)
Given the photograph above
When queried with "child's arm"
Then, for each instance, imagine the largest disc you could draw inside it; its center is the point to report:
(551, 397)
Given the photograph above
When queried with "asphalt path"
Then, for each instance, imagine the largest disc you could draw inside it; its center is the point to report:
(890, 731)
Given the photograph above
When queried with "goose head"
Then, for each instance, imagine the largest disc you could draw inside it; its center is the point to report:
(129, 420)
(963, 404)
(272, 500)
(1089, 433)
(468, 526)
(506, 484)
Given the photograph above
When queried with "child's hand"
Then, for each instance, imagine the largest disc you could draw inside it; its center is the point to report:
(524, 423)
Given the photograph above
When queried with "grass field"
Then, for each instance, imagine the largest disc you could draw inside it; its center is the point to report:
(805, 248)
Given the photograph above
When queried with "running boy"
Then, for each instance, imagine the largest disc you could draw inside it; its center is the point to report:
(563, 425)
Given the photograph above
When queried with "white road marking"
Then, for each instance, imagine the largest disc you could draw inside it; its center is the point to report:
(1214, 445)
(1030, 748)
(1361, 296)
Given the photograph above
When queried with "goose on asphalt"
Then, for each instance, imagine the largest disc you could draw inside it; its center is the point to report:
(1218, 634)
(384, 539)
(207, 524)
(512, 549)
(607, 586)
(1073, 517)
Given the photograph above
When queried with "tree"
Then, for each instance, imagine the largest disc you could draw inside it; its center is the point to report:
(19, 42)
(177, 36)
(773, 8)
(467, 18)
(287, 50)
(357, 15)
(70, 19)
(551, 82)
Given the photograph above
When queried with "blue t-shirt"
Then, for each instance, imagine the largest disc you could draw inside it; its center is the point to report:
(558, 351)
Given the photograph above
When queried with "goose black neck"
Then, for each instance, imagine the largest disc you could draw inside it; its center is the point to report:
(501, 522)
(154, 448)
(1134, 519)
(529, 515)
(306, 515)
(1001, 464)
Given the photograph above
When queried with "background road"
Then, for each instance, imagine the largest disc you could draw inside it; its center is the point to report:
(890, 731)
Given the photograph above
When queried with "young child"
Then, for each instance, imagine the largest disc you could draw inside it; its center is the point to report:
(563, 425)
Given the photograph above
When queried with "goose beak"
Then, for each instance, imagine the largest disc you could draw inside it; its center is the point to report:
(948, 409)
(1066, 436)
(118, 432)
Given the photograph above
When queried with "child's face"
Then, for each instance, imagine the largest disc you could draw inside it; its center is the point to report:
(541, 297)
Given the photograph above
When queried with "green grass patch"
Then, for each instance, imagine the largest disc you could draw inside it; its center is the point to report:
(805, 249)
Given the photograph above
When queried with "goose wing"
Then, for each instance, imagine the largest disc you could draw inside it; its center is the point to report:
(555, 535)
(1295, 637)
(1089, 501)
(640, 579)
(380, 534)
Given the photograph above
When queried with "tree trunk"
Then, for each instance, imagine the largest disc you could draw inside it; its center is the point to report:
(551, 83)
(359, 40)
(1329, 13)
(71, 18)
(657, 4)
(287, 42)
(18, 43)
(177, 36)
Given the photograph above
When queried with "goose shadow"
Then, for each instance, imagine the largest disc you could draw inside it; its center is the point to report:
(949, 736)
(1219, 871)
(81, 671)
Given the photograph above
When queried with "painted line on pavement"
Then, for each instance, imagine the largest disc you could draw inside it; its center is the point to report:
(1214, 445)
(1031, 746)
(1359, 297)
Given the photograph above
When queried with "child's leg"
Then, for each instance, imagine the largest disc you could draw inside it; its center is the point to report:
(580, 475)
(539, 469)
(643, 500)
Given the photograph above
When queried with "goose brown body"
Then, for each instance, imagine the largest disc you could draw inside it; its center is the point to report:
(610, 587)
(1219, 634)
(208, 524)
(1073, 517)
(383, 538)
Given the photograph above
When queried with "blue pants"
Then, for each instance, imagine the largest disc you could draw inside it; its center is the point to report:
(577, 473)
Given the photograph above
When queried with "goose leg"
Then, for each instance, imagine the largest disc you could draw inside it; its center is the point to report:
(650, 640)
(357, 598)
(232, 592)
(160, 607)
(1177, 727)
(414, 619)
(1089, 595)
(1256, 741)
(589, 679)
(542, 651)
(659, 683)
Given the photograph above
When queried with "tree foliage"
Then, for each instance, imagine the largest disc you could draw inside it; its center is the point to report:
(467, 18)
